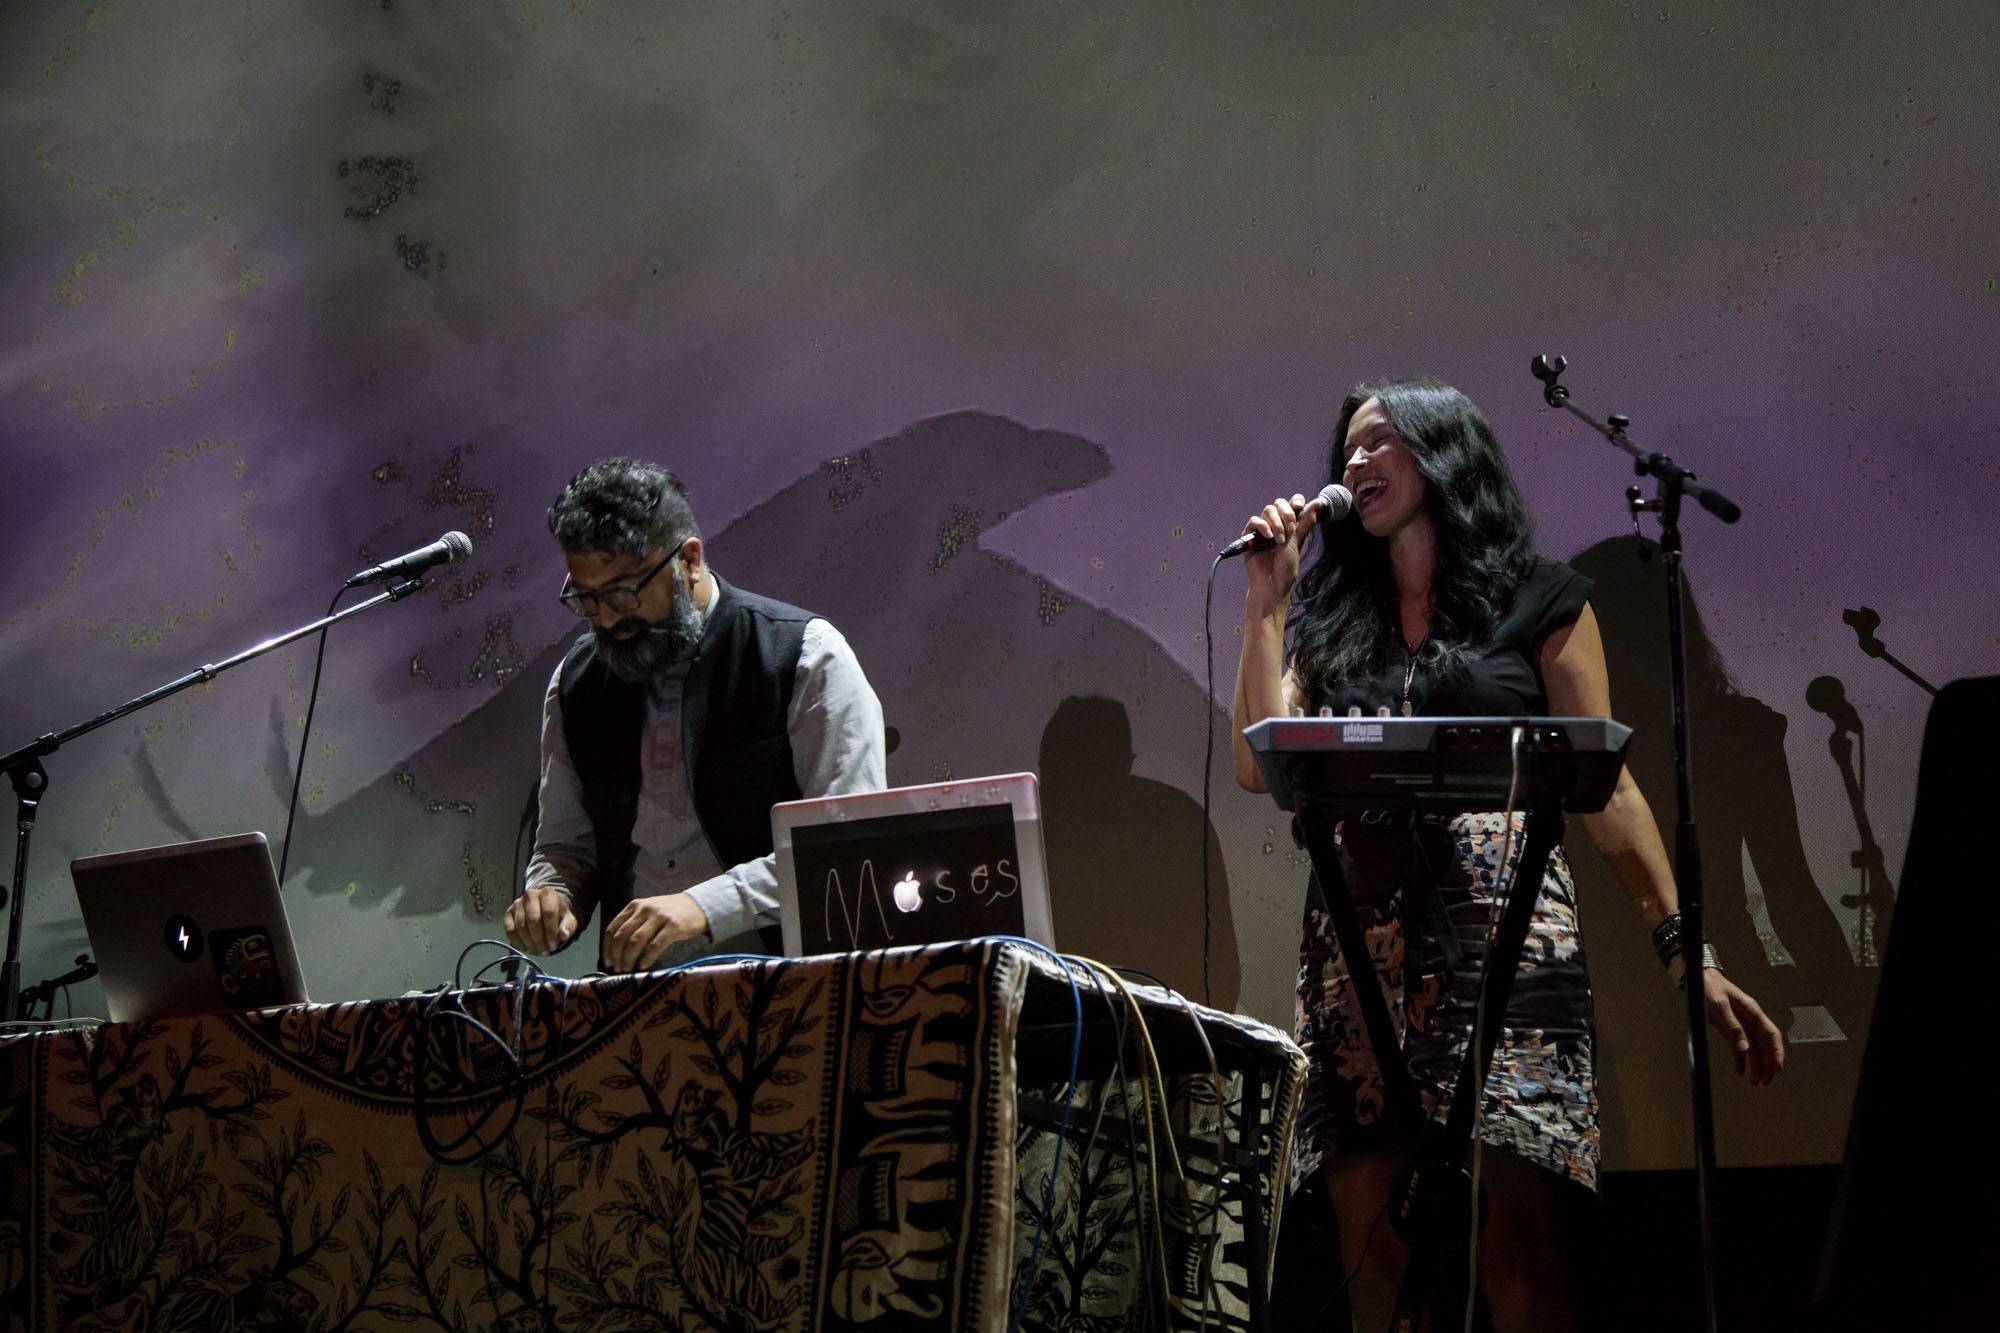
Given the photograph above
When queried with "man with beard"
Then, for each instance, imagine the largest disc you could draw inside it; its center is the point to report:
(672, 726)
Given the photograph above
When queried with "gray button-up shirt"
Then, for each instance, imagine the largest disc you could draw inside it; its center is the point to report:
(835, 726)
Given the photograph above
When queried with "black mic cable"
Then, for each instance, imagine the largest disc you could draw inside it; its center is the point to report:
(446, 550)
(1335, 502)
(397, 593)
(1207, 767)
(305, 735)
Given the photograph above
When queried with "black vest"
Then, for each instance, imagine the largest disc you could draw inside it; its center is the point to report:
(734, 711)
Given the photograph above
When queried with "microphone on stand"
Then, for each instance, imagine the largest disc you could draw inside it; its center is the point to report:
(446, 550)
(1334, 501)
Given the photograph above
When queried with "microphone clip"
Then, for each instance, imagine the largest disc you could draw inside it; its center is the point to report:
(1548, 369)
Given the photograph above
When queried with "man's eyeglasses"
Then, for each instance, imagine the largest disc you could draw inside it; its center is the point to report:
(619, 600)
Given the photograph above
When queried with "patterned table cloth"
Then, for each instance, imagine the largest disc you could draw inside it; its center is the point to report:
(817, 1144)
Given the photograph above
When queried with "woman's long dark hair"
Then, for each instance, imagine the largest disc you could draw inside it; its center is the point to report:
(1344, 607)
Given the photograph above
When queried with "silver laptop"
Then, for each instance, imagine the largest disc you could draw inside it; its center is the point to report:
(189, 928)
(912, 865)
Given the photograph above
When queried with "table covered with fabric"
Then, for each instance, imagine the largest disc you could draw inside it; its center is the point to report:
(830, 1143)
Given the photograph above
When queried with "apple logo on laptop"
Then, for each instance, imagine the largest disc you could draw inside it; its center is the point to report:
(183, 938)
(909, 894)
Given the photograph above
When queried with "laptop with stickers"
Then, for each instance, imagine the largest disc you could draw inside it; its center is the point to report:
(912, 865)
(188, 928)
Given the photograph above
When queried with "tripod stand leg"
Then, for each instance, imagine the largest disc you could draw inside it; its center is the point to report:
(1544, 830)
(1397, 1089)
(1438, 1205)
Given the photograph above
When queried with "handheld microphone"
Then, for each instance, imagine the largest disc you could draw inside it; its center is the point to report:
(446, 550)
(1334, 501)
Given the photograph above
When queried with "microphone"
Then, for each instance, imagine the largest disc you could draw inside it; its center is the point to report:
(1334, 502)
(446, 550)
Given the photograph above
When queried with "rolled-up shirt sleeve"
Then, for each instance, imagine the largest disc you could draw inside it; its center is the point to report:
(835, 726)
(565, 846)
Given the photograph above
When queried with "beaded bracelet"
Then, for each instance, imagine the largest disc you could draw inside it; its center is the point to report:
(1667, 939)
(1667, 943)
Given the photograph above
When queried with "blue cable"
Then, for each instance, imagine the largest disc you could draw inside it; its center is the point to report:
(713, 958)
(704, 961)
(1024, 1287)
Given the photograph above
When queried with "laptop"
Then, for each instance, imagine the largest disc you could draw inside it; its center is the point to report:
(912, 865)
(189, 928)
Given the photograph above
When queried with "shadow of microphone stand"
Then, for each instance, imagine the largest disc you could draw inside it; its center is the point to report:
(1864, 621)
(1825, 694)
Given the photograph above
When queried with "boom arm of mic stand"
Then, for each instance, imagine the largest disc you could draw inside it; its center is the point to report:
(31, 781)
(1647, 464)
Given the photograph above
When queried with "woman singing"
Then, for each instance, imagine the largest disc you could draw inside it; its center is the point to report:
(1432, 601)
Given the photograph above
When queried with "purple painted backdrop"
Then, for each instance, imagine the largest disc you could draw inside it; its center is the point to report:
(976, 328)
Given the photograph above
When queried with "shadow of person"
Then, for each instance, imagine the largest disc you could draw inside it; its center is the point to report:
(967, 648)
(1125, 856)
(1793, 957)
(964, 646)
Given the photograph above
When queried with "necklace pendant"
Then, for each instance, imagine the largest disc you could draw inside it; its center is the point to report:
(1407, 709)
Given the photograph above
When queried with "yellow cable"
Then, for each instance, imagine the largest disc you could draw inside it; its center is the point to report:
(1152, 1136)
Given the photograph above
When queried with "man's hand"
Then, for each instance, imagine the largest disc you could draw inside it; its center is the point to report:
(540, 921)
(637, 936)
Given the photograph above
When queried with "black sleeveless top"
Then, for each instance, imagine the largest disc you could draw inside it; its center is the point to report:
(1504, 680)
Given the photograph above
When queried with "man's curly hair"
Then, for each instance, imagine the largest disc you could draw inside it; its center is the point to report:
(621, 506)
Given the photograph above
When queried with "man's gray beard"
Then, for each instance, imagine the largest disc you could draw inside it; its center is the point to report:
(664, 646)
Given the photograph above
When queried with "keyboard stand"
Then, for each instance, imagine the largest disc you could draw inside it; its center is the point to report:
(1431, 1202)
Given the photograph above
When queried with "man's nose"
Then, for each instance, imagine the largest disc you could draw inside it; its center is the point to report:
(602, 616)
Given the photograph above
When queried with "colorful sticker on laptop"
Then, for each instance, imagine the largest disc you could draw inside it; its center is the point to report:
(246, 966)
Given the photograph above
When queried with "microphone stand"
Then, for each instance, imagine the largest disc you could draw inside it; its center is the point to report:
(44, 992)
(1673, 483)
(31, 780)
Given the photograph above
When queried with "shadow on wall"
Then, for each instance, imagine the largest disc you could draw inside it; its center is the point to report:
(982, 667)
(443, 826)
(974, 657)
(1792, 955)
(1126, 852)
